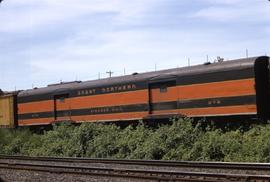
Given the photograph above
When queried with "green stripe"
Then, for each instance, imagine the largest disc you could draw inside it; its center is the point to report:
(183, 104)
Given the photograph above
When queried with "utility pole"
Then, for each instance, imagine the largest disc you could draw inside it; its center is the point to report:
(110, 73)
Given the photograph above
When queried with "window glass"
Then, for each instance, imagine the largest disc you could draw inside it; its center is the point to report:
(163, 89)
(62, 99)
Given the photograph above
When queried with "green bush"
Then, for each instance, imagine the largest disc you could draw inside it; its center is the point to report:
(181, 140)
(12, 141)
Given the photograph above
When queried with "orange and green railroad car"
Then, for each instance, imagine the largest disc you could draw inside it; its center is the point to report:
(230, 88)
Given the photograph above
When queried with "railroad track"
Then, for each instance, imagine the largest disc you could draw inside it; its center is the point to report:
(138, 170)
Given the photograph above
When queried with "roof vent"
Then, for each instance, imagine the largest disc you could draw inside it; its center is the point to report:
(219, 59)
(207, 63)
(63, 83)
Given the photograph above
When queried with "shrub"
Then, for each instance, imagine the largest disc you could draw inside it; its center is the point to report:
(181, 140)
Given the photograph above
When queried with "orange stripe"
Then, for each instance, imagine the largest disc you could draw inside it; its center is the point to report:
(230, 110)
(170, 95)
(205, 90)
(64, 118)
(109, 117)
(41, 106)
(113, 99)
(218, 89)
(66, 105)
(41, 121)
(88, 118)
(175, 111)
(211, 111)
(124, 98)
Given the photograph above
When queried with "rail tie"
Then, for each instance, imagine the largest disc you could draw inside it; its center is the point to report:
(145, 170)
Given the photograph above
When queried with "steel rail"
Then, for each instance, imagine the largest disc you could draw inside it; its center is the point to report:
(186, 164)
(131, 173)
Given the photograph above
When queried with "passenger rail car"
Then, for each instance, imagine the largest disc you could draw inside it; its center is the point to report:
(231, 88)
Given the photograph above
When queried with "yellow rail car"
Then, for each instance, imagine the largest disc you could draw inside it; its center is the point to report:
(7, 111)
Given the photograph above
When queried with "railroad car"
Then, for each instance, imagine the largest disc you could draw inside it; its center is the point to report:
(230, 88)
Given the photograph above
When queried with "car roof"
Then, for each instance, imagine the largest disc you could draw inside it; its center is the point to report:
(147, 76)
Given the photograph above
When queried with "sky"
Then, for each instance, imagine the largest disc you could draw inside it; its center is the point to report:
(48, 41)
